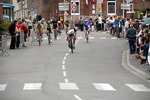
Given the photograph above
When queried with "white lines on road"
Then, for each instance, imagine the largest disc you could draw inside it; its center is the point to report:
(64, 73)
(65, 58)
(68, 86)
(102, 38)
(67, 54)
(91, 37)
(63, 67)
(32, 86)
(63, 62)
(114, 38)
(104, 86)
(66, 81)
(3, 87)
(138, 87)
(77, 97)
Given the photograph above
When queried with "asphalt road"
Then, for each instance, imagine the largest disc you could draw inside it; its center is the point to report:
(52, 72)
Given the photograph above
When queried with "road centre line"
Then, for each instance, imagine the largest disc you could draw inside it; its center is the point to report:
(65, 58)
(64, 73)
(63, 62)
(77, 97)
(67, 54)
(66, 80)
(63, 67)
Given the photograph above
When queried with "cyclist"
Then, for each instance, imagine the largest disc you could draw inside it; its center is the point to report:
(39, 30)
(67, 26)
(72, 32)
(59, 26)
(86, 27)
(55, 27)
(48, 29)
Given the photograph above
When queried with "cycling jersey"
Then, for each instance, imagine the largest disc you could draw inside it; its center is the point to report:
(49, 27)
(71, 32)
(54, 24)
(39, 28)
(67, 24)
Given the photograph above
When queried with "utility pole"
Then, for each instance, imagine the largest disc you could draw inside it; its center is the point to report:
(21, 5)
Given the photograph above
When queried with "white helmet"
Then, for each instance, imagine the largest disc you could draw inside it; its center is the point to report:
(75, 29)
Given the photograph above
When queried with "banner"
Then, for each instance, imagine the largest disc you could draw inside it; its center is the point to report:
(99, 6)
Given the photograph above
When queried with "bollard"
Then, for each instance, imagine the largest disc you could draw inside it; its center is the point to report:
(4, 45)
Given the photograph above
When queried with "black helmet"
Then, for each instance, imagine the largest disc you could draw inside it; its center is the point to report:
(75, 29)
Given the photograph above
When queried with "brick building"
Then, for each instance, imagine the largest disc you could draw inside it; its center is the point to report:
(50, 8)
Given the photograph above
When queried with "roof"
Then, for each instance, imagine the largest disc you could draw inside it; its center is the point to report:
(5, 5)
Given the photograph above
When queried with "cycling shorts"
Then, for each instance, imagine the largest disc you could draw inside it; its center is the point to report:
(39, 30)
(86, 28)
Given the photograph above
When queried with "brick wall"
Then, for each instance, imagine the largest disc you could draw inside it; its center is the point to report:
(141, 4)
(1, 13)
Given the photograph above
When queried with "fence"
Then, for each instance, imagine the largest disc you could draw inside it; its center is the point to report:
(4, 45)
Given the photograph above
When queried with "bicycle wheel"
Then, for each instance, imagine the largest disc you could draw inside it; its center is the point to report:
(49, 38)
(87, 37)
(39, 40)
(55, 34)
(71, 45)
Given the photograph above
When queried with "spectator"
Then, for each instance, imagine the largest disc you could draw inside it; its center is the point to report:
(96, 21)
(120, 27)
(131, 36)
(100, 23)
(19, 28)
(12, 31)
(24, 28)
(111, 24)
(29, 26)
(81, 23)
(115, 26)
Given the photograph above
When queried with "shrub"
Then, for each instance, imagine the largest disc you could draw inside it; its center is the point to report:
(5, 26)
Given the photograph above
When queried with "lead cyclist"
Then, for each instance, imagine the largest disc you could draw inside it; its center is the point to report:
(72, 32)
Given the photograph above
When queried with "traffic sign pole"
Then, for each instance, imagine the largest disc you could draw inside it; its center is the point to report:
(74, 9)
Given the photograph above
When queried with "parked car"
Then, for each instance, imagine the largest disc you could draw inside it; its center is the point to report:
(145, 21)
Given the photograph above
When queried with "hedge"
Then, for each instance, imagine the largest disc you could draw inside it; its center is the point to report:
(5, 25)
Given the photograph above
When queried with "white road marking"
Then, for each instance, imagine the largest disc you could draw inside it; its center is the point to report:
(77, 97)
(67, 54)
(138, 87)
(32, 86)
(45, 38)
(68, 86)
(91, 37)
(66, 81)
(63, 67)
(58, 38)
(65, 58)
(64, 73)
(102, 37)
(3, 87)
(114, 38)
(63, 62)
(104, 86)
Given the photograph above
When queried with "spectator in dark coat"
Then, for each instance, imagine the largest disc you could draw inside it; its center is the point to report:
(24, 28)
(131, 36)
(12, 31)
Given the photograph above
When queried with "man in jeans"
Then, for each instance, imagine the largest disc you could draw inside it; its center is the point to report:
(131, 36)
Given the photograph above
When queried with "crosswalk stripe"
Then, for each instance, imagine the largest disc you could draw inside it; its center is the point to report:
(91, 37)
(114, 38)
(102, 37)
(104, 87)
(68, 86)
(3, 87)
(32, 86)
(138, 87)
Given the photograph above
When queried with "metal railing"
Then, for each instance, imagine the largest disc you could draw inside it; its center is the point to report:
(4, 45)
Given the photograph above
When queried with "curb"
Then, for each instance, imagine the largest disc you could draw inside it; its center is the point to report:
(134, 68)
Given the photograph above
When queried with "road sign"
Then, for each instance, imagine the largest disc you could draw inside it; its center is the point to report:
(64, 6)
(125, 6)
(74, 7)
(31, 8)
(65, 14)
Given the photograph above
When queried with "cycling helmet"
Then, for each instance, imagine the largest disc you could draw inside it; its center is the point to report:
(75, 29)
(48, 22)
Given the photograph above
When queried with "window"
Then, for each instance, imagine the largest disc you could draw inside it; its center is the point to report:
(78, 7)
(111, 7)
